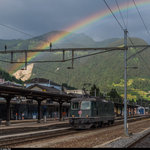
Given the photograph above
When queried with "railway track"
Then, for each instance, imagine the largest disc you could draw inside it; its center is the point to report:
(23, 128)
(11, 141)
(16, 139)
(131, 119)
(137, 143)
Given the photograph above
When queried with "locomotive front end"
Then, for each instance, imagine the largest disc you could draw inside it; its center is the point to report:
(80, 114)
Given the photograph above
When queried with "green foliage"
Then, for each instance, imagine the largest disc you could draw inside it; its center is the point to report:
(95, 91)
(68, 87)
(138, 83)
(105, 70)
(143, 102)
(8, 77)
(114, 96)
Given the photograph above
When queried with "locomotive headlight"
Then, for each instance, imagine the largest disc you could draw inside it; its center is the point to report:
(72, 116)
(87, 116)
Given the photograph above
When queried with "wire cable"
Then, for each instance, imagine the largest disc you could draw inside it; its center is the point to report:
(146, 65)
(116, 17)
(113, 15)
(18, 30)
(144, 62)
(120, 13)
(12, 28)
(139, 55)
(45, 61)
(141, 17)
(127, 14)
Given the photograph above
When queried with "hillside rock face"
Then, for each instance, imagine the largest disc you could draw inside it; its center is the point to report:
(24, 74)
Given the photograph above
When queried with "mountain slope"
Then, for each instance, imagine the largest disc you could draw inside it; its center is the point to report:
(105, 70)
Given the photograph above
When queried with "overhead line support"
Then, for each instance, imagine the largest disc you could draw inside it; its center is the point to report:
(125, 83)
(11, 57)
(60, 50)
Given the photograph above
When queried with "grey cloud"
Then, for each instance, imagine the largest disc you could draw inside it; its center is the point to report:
(40, 16)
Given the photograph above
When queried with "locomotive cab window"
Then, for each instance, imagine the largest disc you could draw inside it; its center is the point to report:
(75, 105)
(85, 105)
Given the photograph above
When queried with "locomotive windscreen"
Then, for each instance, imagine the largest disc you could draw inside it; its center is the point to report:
(85, 105)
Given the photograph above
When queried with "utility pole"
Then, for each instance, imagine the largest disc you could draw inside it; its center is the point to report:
(125, 83)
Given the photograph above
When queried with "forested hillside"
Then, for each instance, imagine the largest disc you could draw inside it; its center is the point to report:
(8, 77)
(105, 70)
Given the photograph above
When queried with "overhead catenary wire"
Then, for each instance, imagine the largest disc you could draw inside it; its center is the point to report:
(122, 26)
(146, 66)
(148, 32)
(118, 21)
(116, 18)
(113, 15)
(125, 25)
(82, 56)
(20, 31)
(120, 13)
(127, 14)
(45, 61)
(15, 29)
(138, 53)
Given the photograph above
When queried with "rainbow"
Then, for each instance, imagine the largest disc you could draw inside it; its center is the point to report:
(79, 25)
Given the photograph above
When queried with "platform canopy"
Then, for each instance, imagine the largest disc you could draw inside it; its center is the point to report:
(11, 92)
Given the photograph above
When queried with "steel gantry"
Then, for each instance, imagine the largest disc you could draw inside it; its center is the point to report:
(101, 50)
(64, 50)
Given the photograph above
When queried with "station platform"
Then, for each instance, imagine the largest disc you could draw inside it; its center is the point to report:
(19, 126)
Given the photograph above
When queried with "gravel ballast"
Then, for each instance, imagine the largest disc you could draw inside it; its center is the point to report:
(103, 137)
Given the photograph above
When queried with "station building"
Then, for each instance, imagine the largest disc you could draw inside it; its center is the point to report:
(22, 108)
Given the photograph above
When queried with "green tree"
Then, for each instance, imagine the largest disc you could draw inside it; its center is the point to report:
(95, 91)
(114, 96)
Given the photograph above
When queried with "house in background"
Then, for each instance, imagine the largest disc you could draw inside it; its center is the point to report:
(50, 107)
(39, 87)
(27, 109)
(9, 83)
(42, 82)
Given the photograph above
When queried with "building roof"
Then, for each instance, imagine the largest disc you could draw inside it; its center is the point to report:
(11, 92)
(41, 80)
(48, 89)
(9, 83)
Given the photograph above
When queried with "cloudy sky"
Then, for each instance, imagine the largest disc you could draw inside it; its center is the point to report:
(36, 17)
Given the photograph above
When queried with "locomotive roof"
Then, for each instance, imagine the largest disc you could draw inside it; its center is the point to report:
(89, 99)
(83, 99)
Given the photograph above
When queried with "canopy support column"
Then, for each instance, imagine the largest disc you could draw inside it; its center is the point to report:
(39, 111)
(60, 110)
(8, 99)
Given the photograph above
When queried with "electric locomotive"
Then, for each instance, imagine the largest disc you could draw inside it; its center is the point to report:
(87, 112)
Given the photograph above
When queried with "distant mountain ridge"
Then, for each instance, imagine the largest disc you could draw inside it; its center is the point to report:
(73, 40)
